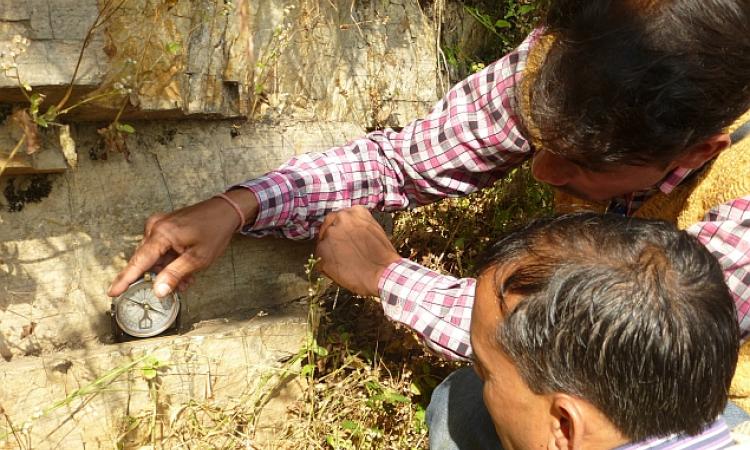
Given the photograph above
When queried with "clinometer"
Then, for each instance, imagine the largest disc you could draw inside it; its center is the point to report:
(139, 313)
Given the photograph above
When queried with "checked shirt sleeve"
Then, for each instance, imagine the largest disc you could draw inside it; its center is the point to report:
(469, 140)
(438, 307)
(726, 233)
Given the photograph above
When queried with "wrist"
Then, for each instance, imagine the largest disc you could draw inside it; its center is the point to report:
(246, 202)
(383, 273)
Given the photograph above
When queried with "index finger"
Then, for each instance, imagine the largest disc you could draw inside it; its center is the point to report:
(145, 256)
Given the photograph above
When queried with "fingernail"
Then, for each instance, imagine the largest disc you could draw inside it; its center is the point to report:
(161, 290)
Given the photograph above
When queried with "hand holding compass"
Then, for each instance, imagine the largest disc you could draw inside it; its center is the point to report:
(184, 241)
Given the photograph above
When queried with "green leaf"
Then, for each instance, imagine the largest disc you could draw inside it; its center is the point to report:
(307, 370)
(148, 373)
(350, 425)
(173, 47)
(392, 397)
(373, 386)
(415, 389)
(420, 415)
(320, 351)
(51, 114)
(125, 128)
(36, 100)
(525, 9)
(502, 24)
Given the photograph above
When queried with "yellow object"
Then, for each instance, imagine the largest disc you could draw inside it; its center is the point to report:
(725, 178)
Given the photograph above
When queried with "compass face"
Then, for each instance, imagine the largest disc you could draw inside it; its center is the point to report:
(141, 314)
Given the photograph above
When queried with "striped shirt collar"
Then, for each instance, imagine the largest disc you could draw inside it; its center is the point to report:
(715, 436)
(673, 180)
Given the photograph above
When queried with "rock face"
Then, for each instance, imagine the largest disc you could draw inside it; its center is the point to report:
(217, 92)
(370, 64)
(69, 234)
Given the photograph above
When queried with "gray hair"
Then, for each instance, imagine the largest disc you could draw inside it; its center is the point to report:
(630, 315)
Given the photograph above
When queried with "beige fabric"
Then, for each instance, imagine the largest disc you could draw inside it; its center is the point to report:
(726, 178)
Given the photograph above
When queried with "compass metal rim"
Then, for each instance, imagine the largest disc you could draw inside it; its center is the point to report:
(174, 312)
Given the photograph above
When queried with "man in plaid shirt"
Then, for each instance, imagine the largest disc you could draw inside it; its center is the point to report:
(632, 97)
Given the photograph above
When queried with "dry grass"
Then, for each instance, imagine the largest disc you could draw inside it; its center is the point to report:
(450, 236)
(369, 386)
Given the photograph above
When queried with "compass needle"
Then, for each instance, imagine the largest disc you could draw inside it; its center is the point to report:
(135, 301)
(145, 321)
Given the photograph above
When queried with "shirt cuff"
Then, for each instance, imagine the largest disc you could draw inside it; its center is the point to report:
(275, 198)
(438, 307)
(401, 283)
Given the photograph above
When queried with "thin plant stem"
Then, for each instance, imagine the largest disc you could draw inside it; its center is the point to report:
(87, 100)
(12, 154)
(20, 84)
(13, 430)
(100, 20)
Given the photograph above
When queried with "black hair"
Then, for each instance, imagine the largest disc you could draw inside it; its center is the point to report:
(638, 82)
(629, 314)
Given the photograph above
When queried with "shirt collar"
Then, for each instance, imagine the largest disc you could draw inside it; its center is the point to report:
(674, 178)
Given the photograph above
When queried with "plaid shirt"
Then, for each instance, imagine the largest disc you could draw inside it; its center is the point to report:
(467, 142)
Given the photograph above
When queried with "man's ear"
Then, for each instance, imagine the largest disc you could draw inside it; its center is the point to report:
(568, 425)
(697, 155)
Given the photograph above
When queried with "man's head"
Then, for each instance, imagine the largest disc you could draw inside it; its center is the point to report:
(631, 89)
(602, 329)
